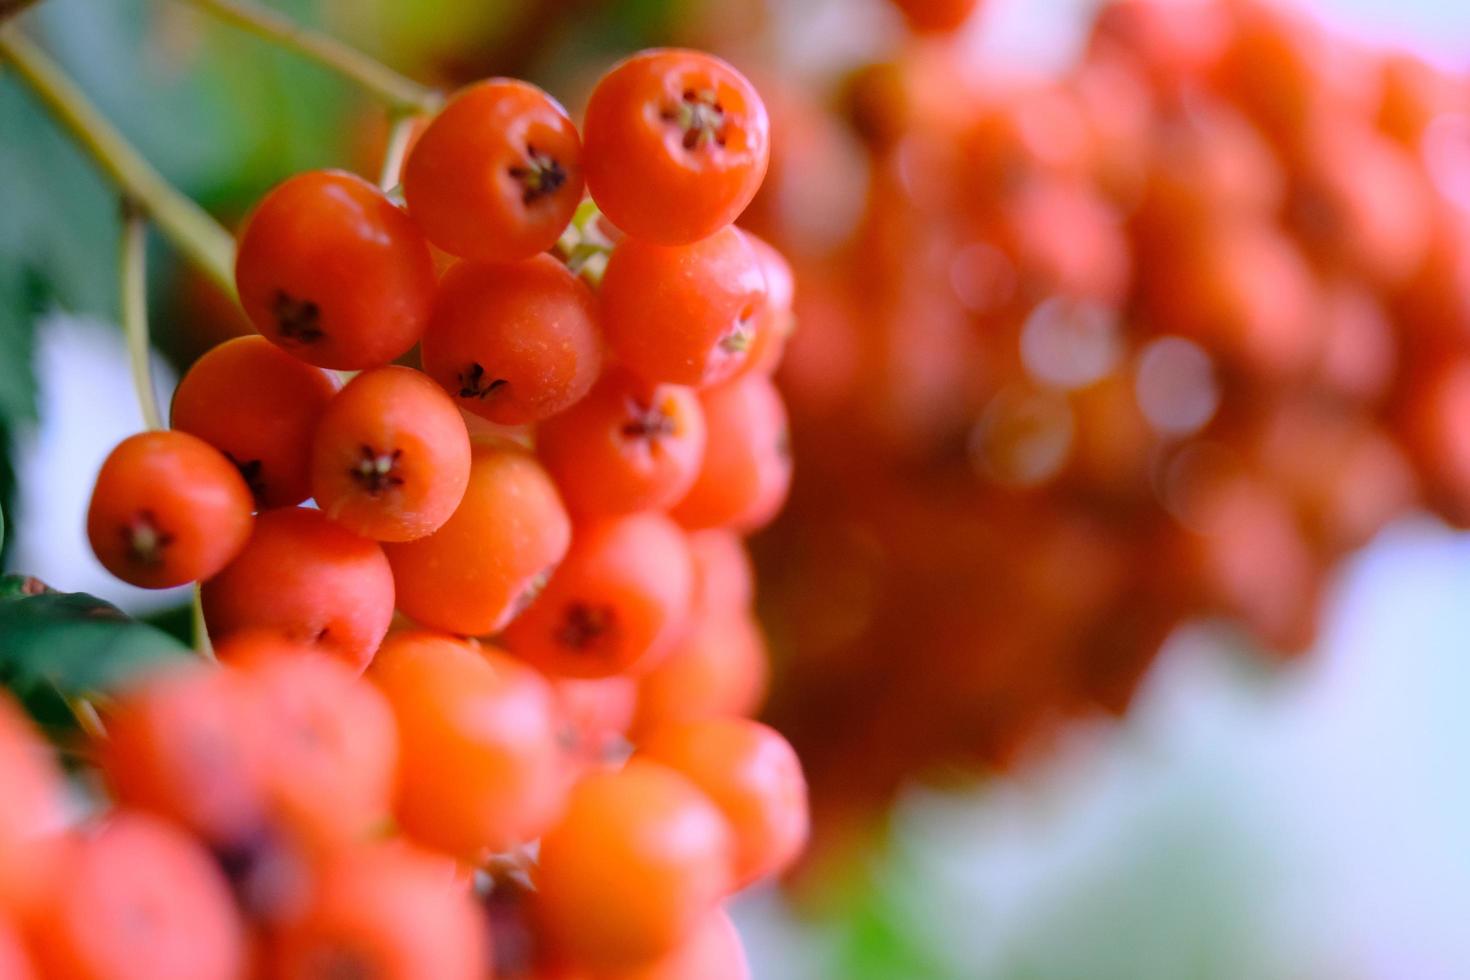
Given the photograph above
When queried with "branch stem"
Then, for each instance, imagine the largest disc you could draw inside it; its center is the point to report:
(133, 291)
(400, 132)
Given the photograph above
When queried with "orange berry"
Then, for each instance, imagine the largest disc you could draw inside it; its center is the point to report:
(309, 580)
(724, 578)
(493, 555)
(33, 808)
(391, 457)
(753, 776)
(481, 764)
(616, 602)
(15, 962)
(168, 509)
(747, 462)
(259, 406)
(717, 668)
(639, 859)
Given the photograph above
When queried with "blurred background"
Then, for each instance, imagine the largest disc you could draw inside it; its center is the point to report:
(1119, 613)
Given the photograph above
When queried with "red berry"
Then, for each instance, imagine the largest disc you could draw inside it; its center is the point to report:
(683, 314)
(747, 463)
(514, 342)
(497, 174)
(333, 272)
(168, 509)
(676, 145)
(33, 810)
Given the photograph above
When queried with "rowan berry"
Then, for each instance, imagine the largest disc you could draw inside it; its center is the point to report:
(391, 457)
(33, 811)
(594, 716)
(482, 768)
(334, 273)
(629, 445)
(168, 509)
(640, 857)
(753, 776)
(713, 951)
(328, 743)
(777, 321)
(15, 962)
(185, 745)
(937, 16)
(513, 342)
(724, 578)
(717, 668)
(683, 314)
(311, 581)
(493, 555)
(136, 899)
(387, 911)
(497, 174)
(676, 145)
(746, 471)
(614, 605)
(259, 406)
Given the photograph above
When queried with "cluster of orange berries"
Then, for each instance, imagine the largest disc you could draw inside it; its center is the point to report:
(1165, 337)
(480, 711)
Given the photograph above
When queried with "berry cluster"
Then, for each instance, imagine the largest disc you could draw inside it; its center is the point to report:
(479, 711)
(1165, 337)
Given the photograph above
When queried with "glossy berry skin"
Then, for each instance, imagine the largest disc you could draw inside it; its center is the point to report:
(712, 951)
(328, 743)
(309, 580)
(777, 321)
(493, 555)
(31, 786)
(683, 314)
(136, 899)
(387, 911)
(675, 145)
(513, 342)
(168, 509)
(334, 273)
(636, 863)
(629, 445)
(717, 668)
(482, 769)
(497, 174)
(936, 16)
(391, 457)
(259, 406)
(184, 745)
(746, 472)
(614, 605)
(753, 776)
(724, 577)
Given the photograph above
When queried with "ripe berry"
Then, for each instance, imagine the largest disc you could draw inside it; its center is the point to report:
(616, 602)
(328, 743)
(639, 859)
(937, 16)
(718, 668)
(391, 457)
(514, 342)
(31, 787)
(259, 406)
(724, 578)
(497, 174)
(334, 273)
(629, 445)
(595, 715)
(746, 471)
(309, 580)
(752, 775)
(683, 314)
(493, 556)
(386, 911)
(138, 900)
(712, 951)
(481, 768)
(676, 145)
(777, 321)
(184, 745)
(15, 962)
(168, 509)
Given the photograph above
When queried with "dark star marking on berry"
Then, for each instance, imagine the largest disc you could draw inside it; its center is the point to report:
(299, 320)
(472, 383)
(583, 626)
(376, 472)
(700, 117)
(146, 541)
(541, 176)
(250, 473)
(648, 422)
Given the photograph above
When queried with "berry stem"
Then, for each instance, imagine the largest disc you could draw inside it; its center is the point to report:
(185, 223)
(133, 292)
(399, 132)
(402, 94)
(202, 643)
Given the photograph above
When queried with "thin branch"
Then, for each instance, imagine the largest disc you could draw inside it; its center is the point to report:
(133, 290)
(185, 223)
(400, 133)
(401, 93)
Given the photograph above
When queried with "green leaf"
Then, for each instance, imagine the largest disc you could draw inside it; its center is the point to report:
(57, 647)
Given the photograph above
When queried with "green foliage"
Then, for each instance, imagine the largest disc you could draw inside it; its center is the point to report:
(58, 647)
